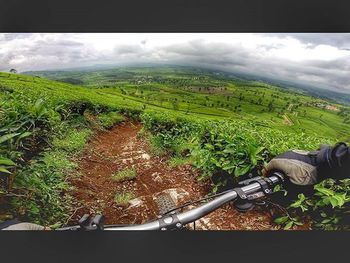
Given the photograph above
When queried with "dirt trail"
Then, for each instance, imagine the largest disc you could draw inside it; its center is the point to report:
(120, 148)
(287, 120)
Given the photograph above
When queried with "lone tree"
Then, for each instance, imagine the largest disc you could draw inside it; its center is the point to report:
(13, 70)
(270, 106)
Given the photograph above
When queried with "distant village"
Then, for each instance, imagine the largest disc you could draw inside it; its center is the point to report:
(326, 106)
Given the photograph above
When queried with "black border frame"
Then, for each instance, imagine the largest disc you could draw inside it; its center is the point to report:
(174, 16)
(174, 247)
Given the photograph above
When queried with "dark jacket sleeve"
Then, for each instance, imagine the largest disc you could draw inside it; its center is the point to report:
(334, 161)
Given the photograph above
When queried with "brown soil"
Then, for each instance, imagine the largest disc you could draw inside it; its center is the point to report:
(121, 148)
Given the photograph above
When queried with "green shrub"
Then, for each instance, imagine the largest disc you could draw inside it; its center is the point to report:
(328, 208)
(237, 147)
(171, 134)
(40, 186)
(108, 120)
(241, 148)
(42, 126)
(38, 144)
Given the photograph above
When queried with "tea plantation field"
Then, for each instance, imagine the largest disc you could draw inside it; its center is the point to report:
(209, 119)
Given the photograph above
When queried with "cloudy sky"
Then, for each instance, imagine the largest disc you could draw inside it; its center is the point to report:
(321, 60)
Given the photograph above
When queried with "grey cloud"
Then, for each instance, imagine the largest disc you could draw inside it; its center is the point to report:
(44, 53)
(12, 36)
(128, 49)
(51, 53)
(332, 75)
(200, 47)
(340, 40)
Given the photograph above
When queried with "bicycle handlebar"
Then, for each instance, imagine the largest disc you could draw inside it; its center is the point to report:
(179, 220)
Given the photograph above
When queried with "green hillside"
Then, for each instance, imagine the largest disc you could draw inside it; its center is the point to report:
(221, 123)
(211, 94)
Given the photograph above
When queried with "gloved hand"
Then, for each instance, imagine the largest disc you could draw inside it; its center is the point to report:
(26, 226)
(307, 168)
(299, 166)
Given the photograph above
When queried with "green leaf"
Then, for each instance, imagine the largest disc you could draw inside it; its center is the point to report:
(253, 160)
(298, 203)
(7, 137)
(303, 208)
(281, 220)
(326, 221)
(228, 166)
(277, 188)
(324, 191)
(340, 198)
(5, 161)
(288, 225)
(333, 201)
(258, 150)
(241, 171)
(298, 223)
(214, 161)
(4, 170)
(323, 214)
(301, 197)
(229, 151)
(209, 146)
(24, 135)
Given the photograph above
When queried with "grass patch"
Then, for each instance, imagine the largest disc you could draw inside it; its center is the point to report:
(124, 175)
(123, 198)
(73, 141)
(177, 161)
(108, 120)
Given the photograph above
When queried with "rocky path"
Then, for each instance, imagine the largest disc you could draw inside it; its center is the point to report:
(121, 148)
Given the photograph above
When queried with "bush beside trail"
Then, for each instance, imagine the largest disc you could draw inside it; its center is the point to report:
(43, 127)
(237, 147)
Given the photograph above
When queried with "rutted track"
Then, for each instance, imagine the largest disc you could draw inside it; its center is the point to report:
(121, 148)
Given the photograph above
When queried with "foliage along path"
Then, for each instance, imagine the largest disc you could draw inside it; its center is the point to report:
(120, 148)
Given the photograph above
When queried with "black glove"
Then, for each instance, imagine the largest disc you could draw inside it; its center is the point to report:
(307, 168)
(299, 166)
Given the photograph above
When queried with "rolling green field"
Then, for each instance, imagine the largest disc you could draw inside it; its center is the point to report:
(219, 122)
(212, 95)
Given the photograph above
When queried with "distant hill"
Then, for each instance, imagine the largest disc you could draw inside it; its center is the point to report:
(74, 76)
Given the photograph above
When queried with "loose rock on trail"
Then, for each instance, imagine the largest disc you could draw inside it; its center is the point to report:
(109, 152)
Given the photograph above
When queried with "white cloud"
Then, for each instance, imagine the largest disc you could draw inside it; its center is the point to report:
(319, 59)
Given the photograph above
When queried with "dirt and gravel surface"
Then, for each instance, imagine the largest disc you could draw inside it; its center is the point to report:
(120, 148)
